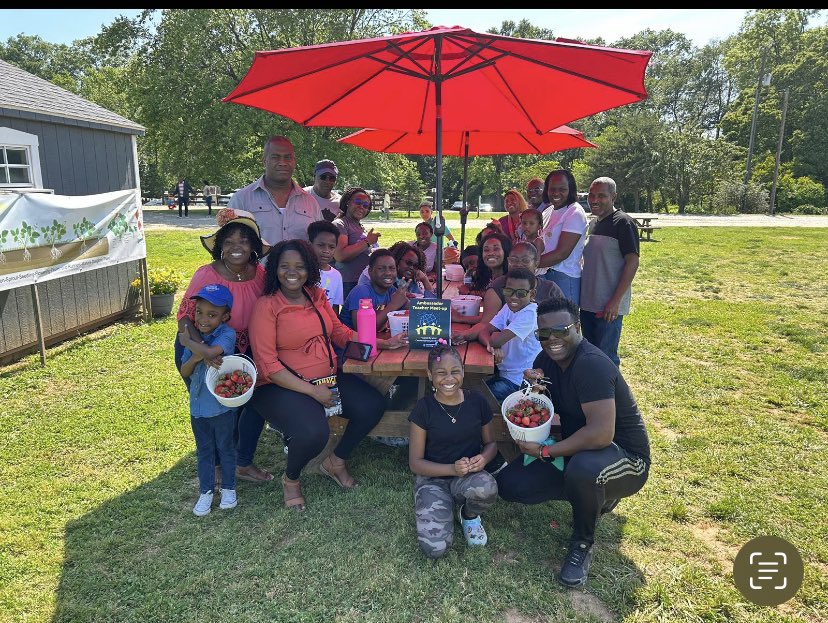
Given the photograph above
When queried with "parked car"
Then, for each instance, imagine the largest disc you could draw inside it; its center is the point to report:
(582, 199)
(457, 205)
(487, 207)
(223, 200)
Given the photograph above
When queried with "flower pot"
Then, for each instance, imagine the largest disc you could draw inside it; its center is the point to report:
(161, 304)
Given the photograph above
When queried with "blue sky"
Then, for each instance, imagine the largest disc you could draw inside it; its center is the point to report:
(700, 25)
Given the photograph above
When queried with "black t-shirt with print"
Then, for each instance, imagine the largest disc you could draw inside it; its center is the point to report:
(591, 376)
(447, 442)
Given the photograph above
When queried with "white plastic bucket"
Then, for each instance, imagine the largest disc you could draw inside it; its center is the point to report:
(520, 433)
(232, 363)
(398, 322)
(467, 304)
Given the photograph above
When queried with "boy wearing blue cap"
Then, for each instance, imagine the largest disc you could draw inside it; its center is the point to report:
(212, 422)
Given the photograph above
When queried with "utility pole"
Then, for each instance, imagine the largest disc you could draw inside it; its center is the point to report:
(762, 81)
(779, 151)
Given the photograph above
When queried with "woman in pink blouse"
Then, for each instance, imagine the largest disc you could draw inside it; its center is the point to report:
(236, 248)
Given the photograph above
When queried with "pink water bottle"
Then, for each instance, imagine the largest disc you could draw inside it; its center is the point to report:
(367, 324)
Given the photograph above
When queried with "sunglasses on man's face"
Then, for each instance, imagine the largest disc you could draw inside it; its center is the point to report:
(532, 191)
(520, 292)
(328, 177)
(547, 332)
(366, 203)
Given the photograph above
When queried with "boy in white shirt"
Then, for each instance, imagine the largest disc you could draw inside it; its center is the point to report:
(510, 335)
(323, 236)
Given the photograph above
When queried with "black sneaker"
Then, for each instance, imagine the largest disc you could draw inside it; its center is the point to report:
(576, 565)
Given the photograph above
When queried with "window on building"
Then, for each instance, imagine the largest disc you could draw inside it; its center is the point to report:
(19, 160)
(15, 166)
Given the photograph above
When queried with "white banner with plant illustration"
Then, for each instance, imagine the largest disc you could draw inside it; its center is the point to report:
(45, 237)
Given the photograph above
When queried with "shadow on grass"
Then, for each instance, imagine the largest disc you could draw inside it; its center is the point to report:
(143, 556)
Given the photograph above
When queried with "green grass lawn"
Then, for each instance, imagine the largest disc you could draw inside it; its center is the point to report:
(726, 351)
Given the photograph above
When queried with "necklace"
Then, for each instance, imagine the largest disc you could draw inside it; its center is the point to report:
(454, 417)
(238, 275)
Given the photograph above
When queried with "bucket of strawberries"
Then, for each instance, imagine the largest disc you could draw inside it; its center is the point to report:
(232, 384)
(528, 415)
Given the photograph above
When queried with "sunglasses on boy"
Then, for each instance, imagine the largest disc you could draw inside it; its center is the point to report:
(328, 177)
(547, 332)
(366, 203)
(520, 292)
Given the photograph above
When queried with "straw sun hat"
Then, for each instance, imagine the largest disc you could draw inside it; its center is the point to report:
(225, 217)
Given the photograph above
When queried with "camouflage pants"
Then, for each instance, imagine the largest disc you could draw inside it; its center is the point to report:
(434, 500)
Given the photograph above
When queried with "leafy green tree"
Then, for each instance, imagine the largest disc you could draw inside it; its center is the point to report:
(632, 153)
(62, 64)
(796, 59)
(177, 73)
(524, 29)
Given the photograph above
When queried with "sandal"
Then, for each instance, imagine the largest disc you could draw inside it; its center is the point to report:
(339, 474)
(293, 494)
(251, 473)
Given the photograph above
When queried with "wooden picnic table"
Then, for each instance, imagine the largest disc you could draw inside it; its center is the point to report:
(645, 226)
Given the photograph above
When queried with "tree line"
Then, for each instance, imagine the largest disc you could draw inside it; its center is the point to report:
(683, 149)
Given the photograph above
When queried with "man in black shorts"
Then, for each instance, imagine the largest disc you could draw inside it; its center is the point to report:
(603, 440)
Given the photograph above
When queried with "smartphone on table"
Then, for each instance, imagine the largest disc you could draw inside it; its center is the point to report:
(358, 350)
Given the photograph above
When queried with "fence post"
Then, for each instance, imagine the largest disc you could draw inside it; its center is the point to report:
(145, 293)
(41, 342)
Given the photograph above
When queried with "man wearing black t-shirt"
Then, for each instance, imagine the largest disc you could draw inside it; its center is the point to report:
(603, 440)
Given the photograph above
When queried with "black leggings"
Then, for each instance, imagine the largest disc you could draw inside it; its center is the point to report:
(590, 478)
(302, 419)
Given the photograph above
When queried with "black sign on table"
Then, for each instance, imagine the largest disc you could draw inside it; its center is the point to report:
(429, 321)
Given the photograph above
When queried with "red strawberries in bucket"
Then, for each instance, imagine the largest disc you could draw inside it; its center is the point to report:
(233, 384)
(528, 414)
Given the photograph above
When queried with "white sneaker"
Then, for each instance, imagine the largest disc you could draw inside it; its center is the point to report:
(228, 499)
(472, 529)
(203, 506)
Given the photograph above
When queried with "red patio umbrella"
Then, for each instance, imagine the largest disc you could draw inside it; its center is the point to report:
(448, 78)
(468, 143)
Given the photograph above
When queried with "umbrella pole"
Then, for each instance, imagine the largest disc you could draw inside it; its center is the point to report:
(464, 212)
(438, 100)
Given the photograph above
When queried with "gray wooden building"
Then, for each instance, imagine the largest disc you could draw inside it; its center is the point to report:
(52, 140)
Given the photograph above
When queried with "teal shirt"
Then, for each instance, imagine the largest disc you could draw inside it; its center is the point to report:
(445, 236)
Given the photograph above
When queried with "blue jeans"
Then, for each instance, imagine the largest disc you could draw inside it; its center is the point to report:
(571, 286)
(605, 335)
(214, 435)
(501, 387)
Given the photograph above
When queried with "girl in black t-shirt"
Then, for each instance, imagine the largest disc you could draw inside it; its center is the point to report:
(451, 441)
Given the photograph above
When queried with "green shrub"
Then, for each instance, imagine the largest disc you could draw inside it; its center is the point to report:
(792, 192)
(811, 209)
(732, 196)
